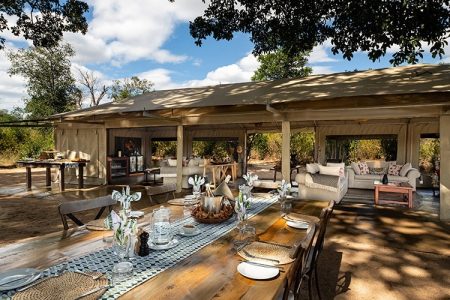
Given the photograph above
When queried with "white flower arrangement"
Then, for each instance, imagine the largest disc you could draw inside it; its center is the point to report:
(123, 226)
(196, 182)
(250, 178)
(242, 204)
(125, 198)
(284, 188)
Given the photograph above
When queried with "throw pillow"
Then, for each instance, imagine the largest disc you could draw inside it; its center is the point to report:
(394, 170)
(377, 171)
(405, 169)
(355, 168)
(172, 162)
(312, 168)
(334, 171)
(340, 165)
(364, 168)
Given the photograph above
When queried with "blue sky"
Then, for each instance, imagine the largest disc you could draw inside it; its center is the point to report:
(150, 39)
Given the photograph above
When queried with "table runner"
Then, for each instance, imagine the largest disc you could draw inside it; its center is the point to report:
(157, 261)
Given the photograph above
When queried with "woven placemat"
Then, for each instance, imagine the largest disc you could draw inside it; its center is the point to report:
(257, 249)
(69, 285)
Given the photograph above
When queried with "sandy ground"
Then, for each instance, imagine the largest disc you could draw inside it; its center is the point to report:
(370, 253)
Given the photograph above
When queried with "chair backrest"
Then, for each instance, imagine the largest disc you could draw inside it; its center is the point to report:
(302, 252)
(313, 255)
(68, 208)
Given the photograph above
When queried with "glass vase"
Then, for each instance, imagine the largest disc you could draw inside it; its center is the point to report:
(122, 246)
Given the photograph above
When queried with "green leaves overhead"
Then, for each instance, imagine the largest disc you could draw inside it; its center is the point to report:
(127, 88)
(42, 21)
(50, 85)
(374, 26)
(279, 64)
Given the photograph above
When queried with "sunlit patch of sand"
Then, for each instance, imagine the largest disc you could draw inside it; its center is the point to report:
(414, 271)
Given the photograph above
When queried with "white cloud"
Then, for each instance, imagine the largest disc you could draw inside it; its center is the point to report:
(319, 54)
(241, 71)
(322, 70)
(126, 31)
(238, 72)
(160, 77)
(12, 88)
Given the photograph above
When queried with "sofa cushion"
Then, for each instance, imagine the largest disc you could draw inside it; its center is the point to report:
(393, 178)
(172, 162)
(363, 168)
(394, 170)
(334, 171)
(377, 171)
(355, 168)
(368, 177)
(312, 168)
(404, 170)
(341, 165)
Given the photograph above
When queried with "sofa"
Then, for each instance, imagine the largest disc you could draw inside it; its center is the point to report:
(366, 181)
(193, 167)
(309, 190)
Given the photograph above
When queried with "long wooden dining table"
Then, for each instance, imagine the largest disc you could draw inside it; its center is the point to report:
(208, 273)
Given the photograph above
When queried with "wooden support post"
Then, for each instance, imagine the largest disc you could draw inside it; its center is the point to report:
(316, 144)
(48, 176)
(444, 136)
(28, 178)
(80, 175)
(179, 156)
(286, 150)
(244, 152)
(61, 178)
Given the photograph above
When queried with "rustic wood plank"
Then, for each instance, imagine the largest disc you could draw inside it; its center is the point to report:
(208, 273)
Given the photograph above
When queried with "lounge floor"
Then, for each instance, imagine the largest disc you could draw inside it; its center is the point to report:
(370, 252)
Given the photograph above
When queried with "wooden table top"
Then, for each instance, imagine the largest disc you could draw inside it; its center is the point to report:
(51, 163)
(208, 273)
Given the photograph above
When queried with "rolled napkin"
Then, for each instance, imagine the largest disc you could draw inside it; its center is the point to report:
(294, 217)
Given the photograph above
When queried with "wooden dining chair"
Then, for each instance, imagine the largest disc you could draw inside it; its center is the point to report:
(301, 252)
(318, 246)
(67, 209)
(306, 268)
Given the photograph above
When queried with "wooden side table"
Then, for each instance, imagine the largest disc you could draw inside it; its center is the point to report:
(403, 188)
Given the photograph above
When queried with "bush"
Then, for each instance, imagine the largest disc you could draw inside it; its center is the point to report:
(21, 142)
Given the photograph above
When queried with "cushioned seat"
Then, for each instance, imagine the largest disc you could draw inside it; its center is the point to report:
(366, 181)
(323, 194)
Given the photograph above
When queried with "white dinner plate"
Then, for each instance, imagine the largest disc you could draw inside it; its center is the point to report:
(136, 213)
(169, 245)
(257, 272)
(27, 276)
(298, 225)
(189, 197)
(196, 232)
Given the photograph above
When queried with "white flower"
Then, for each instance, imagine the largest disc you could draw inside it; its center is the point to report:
(122, 226)
(196, 180)
(125, 198)
(250, 178)
(284, 188)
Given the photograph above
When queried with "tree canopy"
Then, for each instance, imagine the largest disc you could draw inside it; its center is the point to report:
(50, 85)
(373, 26)
(280, 64)
(42, 21)
(127, 88)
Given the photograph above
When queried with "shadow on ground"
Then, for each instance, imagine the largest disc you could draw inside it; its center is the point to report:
(370, 252)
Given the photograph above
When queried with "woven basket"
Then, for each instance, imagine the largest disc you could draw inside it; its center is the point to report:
(224, 215)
